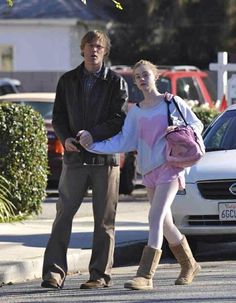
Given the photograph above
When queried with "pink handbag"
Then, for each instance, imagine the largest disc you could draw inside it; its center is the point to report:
(184, 147)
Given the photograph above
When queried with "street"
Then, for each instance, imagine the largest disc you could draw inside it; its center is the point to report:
(215, 283)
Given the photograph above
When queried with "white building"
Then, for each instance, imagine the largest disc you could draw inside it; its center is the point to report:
(41, 45)
(44, 35)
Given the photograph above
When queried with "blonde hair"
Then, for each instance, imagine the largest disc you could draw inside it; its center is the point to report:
(147, 63)
(90, 36)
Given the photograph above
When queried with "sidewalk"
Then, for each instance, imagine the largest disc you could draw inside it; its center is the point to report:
(22, 244)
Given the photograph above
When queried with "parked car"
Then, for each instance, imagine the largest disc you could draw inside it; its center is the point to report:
(43, 103)
(9, 86)
(207, 207)
(186, 81)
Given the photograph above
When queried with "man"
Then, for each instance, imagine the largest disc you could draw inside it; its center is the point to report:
(91, 100)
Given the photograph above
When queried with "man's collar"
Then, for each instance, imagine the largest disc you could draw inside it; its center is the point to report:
(95, 74)
(102, 74)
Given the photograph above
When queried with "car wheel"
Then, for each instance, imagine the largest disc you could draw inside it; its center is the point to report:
(127, 175)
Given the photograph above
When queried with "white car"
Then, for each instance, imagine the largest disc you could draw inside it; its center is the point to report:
(207, 207)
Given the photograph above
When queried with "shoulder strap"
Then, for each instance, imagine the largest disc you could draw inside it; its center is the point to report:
(170, 120)
(178, 109)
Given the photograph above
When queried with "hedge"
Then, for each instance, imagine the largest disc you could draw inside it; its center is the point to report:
(205, 114)
(23, 156)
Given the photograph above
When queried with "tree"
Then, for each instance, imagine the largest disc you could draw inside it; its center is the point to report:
(117, 3)
(231, 30)
(202, 34)
(10, 2)
(170, 32)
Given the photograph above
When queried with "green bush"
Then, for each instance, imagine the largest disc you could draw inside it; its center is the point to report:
(205, 114)
(23, 156)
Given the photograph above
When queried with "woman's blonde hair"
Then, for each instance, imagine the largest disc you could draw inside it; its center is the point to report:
(152, 66)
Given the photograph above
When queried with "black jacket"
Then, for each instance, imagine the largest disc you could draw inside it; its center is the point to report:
(103, 120)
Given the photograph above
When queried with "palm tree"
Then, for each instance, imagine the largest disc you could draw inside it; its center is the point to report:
(6, 206)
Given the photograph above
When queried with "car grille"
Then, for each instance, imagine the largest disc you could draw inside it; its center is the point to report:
(216, 190)
(209, 220)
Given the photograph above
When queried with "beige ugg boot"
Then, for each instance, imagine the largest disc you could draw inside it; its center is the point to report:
(189, 266)
(147, 267)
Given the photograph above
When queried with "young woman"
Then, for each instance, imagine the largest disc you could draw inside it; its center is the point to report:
(144, 131)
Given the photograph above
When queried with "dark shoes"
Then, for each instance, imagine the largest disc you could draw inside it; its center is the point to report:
(90, 284)
(51, 283)
(52, 280)
(94, 284)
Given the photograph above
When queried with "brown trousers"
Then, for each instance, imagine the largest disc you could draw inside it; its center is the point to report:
(74, 182)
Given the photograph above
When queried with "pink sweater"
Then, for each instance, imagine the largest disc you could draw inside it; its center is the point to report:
(144, 131)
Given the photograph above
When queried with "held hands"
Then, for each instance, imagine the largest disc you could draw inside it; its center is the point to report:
(70, 145)
(85, 139)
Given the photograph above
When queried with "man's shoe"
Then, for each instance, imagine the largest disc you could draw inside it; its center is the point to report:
(51, 283)
(94, 284)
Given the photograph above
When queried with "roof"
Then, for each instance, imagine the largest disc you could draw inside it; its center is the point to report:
(43, 97)
(43, 9)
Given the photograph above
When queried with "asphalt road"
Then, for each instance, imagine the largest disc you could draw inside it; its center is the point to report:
(215, 283)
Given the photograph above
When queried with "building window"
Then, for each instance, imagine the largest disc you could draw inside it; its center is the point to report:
(6, 58)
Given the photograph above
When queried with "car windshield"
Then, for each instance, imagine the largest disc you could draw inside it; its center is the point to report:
(221, 134)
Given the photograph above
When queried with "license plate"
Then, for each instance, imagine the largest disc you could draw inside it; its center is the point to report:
(227, 211)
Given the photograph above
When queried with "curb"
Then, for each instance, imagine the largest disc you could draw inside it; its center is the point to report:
(126, 254)
(21, 271)
(29, 269)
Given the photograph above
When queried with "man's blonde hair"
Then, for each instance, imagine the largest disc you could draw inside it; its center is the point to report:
(93, 36)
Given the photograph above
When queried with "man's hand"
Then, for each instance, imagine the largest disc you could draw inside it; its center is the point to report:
(70, 145)
(85, 138)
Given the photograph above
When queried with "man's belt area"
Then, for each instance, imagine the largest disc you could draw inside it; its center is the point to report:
(86, 158)
(96, 160)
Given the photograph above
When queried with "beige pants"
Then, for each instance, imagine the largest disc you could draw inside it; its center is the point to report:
(74, 182)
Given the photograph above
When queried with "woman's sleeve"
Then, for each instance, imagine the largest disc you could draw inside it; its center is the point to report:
(189, 115)
(124, 141)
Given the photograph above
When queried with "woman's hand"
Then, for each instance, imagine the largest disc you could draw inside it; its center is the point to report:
(85, 138)
(170, 128)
